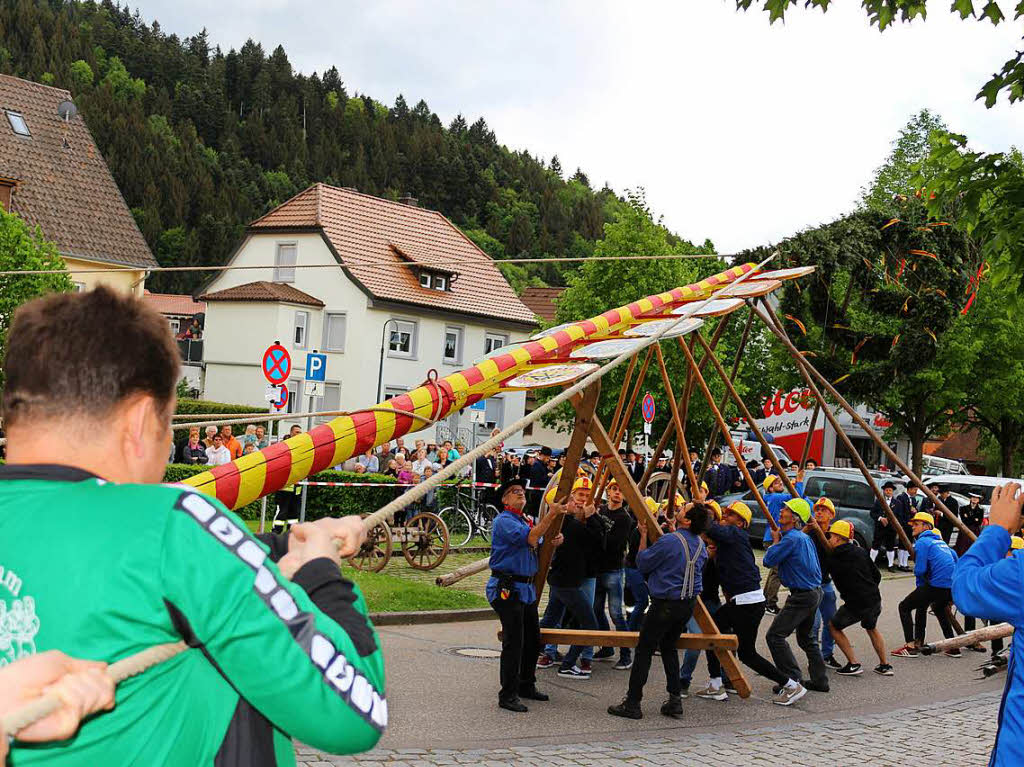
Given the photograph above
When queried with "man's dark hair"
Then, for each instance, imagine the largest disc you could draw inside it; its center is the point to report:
(81, 354)
(698, 516)
(716, 453)
(783, 463)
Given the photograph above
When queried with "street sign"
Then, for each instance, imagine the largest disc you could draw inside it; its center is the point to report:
(647, 407)
(313, 388)
(647, 427)
(277, 364)
(280, 404)
(478, 412)
(272, 393)
(316, 367)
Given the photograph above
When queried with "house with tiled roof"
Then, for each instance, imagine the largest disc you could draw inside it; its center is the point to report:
(54, 177)
(388, 290)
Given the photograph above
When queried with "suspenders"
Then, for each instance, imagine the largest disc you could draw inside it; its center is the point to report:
(690, 577)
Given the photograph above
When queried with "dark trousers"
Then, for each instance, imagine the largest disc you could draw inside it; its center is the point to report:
(664, 622)
(798, 615)
(914, 612)
(520, 645)
(743, 621)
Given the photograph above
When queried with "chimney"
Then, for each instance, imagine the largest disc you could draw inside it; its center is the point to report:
(6, 189)
(408, 200)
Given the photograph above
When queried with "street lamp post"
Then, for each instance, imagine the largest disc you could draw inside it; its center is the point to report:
(380, 367)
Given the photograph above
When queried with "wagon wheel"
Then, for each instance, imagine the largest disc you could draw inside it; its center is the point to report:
(376, 551)
(657, 485)
(553, 484)
(425, 541)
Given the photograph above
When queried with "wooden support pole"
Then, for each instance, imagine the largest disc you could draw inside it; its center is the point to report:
(735, 369)
(809, 370)
(766, 448)
(635, 502)
(681, 445)
(602, 475)
(724, 428)
(623, 392)
(584, 413)
(984, 634)
(684, 409)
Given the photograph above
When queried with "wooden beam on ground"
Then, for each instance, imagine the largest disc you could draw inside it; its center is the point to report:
(584, 413)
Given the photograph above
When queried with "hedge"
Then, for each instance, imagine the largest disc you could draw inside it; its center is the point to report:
(324, 501)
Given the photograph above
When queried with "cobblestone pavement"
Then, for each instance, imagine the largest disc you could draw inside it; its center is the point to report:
(954, 732)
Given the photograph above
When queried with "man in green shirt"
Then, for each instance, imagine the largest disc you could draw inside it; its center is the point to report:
(98, 561)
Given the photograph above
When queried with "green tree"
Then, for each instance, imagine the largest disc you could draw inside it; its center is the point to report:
(895, 176)
(82, 76)
(24, 249)
(884, 13)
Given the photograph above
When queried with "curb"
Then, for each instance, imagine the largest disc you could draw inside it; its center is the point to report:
(431, 616)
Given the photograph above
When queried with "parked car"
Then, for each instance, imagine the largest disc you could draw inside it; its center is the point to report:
(751, 450)
(965, 484)
(847, 489)
(932, 464)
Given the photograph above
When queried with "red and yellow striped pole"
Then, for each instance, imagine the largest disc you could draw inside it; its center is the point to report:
(258, 474)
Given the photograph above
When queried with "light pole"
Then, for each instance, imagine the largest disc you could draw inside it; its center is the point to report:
(380, 367)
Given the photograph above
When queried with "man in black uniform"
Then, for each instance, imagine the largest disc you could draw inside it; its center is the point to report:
(942, 523)
(905, 506)
(973, 516)
(885, 534)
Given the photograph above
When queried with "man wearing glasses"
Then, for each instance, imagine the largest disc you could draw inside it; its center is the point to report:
(511, 593)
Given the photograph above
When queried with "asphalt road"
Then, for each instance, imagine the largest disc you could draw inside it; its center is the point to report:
(440, 699)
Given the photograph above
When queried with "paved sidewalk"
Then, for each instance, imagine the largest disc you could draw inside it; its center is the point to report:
(959, 732)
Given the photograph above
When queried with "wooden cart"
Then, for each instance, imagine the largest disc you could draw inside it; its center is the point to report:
(424, 540)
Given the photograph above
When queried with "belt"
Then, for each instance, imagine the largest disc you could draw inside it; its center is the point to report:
(515, 578)
(803, 591)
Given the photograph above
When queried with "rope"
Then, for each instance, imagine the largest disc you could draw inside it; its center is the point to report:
(294, 416)
(135, 664)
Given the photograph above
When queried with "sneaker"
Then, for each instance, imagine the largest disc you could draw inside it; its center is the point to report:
(832, 663)
(605, 654)
(953, 653)
(545, 661)
(788, 696)
(907, 651)
(585, 666)
(850, 669)
(624, 664)
(712, 693)
(627, 709)
(573, 672)
(883, 669)
(772, 610)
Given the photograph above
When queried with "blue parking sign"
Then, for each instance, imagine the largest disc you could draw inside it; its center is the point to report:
(316, 367)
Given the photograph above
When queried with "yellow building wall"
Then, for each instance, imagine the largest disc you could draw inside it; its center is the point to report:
(120, 280)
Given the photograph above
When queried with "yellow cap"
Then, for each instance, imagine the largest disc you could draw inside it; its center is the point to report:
(652, 505)
(1016, 542)
(827, 503)
(611, 482)
(582, 483)
(800, 507)
(715, 508)
(769, 481)
(923, 516)
(679, 502)
(549, 496)
(843, 528)
(740, 508)
(704, 486)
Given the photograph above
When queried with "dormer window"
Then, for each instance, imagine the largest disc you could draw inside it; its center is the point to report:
(434, 281)
(18, 124)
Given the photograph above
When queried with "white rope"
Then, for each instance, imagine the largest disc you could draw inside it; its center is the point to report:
(251, 418)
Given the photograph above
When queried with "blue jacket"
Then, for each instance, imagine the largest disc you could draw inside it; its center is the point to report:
(737, 569)
(934, 561)
(775, 502)
(988, 584)
(511, 553)
(664, 565)
(797, 560)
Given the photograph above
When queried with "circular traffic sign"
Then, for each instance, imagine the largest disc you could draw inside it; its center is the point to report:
(277, 364)
(280, 403)
(648, 407)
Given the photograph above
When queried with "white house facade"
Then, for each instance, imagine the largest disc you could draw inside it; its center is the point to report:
(345, 273)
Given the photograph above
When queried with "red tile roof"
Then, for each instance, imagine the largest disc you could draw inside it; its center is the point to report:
(263, 291)
(169, 303)
(368, 234)
(541, 301)
(65, 189)
(964, 446)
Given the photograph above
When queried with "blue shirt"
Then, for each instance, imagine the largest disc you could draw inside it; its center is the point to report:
(988, 584)
(775, 502)
(512, 553)
(664, 565)
(797, 560)
(934, 561)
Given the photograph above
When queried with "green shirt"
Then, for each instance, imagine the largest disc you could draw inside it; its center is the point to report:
(102, 571)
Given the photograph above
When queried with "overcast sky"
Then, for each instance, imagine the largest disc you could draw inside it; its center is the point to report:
(740, 132)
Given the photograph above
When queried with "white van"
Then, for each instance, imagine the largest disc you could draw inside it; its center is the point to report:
(931, 464)
(965, 484)
(750, 449)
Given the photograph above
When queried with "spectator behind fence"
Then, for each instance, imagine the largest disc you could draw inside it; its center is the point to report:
(218, 455)
(249, 447)
(261, 438)
(228, 440)
(421, 461)
(369, 461)
(210, 431)
(249, 438)
(360, 469)
(429, 501)
(193, 451)
(179, 448)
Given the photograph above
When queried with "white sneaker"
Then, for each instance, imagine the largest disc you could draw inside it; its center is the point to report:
(789, 695)
(712, 693)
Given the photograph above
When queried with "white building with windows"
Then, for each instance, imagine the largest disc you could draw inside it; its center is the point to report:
(387, 290)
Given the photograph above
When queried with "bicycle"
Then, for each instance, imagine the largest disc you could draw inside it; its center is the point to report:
(467, 517)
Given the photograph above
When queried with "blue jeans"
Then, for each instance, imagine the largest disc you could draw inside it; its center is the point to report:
(826, 610)
(609, 589)
(641, 598)
(579, 601)
(690, 657)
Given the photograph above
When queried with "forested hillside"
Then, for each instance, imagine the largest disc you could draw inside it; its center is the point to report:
(202, 142)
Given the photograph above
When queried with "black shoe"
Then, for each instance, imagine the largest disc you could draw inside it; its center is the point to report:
(850, 669)
(816, 687)
(832, 663)
(627, 709)
(533, 693)
(772, 609)
(673, 707)
(605, 653)
(513, 704)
